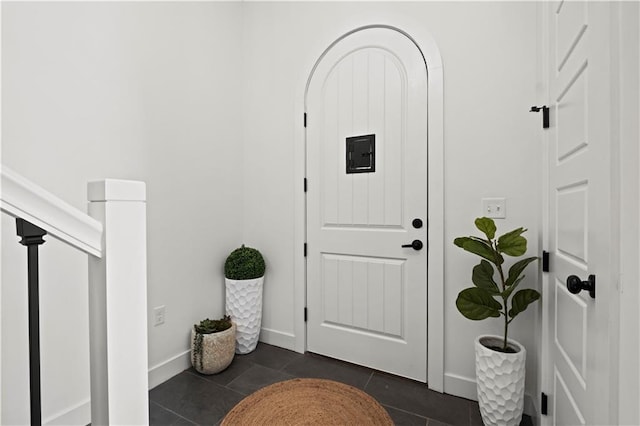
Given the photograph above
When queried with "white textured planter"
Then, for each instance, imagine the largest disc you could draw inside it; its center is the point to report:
(218, 350)
(244, 306)
(500, 381)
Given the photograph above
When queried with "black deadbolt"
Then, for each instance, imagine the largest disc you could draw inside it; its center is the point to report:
(417, 223)
(415, 244)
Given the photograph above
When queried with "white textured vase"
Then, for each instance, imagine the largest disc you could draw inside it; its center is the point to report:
(244, 306)
(500, 381)
(216, 353)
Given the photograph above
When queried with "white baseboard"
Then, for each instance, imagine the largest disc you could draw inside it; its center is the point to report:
(465, 387)
(80, 414)
(278, 338)
(165, 370)
(461, 386)
(160, 373)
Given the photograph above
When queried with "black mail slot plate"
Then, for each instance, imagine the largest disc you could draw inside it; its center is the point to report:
(361, 154)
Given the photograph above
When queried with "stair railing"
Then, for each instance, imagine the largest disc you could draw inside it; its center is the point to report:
(114, 237)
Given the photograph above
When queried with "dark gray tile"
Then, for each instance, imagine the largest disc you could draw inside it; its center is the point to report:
(270, 356)
(238, 366)
(194, 398)
(320, 367)
(402, 418)
(431, 422)
(417, 398)
(476, 417)
(182, 422)
(256, 378)
(161, 417)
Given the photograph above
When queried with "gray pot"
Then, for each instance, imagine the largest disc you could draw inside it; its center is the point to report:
(218, 350)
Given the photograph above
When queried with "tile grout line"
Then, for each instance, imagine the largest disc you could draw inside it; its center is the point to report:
(227, 386)
(173, 412)
(406, 412)
(291, 362)
(369, 380)
(391, 406)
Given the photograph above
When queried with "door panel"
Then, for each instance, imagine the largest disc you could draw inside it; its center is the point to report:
(571, 104)
(580, 224)
(355, 294)
(366, 199)
(567, 411)
(366, 295)
(571, 337)
(571, 204)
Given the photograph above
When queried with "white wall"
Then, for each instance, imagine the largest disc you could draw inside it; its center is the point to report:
(145, 91)
(491, 141)
(201, 101)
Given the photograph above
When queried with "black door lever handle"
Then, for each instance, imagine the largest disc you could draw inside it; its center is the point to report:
(415, 244)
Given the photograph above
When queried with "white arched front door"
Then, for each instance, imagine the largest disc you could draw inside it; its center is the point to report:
(366, 160)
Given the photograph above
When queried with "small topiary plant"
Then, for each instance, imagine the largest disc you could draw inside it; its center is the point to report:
(244, 263)
(208, 326)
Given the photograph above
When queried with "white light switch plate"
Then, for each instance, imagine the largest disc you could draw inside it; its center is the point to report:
(494, 207)
(158, 315)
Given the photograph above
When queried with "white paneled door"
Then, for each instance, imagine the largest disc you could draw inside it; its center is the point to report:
(367, 194)
(580, 218)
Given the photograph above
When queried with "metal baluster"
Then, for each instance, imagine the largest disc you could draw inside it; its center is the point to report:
(32, 238)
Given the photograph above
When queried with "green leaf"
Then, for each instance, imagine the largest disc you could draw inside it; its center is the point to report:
(521, 300)
(483, 277)
(517, 268)
(477, 304)
(511, 288)
(487, 226)
(512, 243)
(479, 248)
(460, 241)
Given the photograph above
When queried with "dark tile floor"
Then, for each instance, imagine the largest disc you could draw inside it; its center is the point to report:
(191, 398)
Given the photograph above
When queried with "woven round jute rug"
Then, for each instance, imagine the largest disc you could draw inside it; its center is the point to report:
(308, 402)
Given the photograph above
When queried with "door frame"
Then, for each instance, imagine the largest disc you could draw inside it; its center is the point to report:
(435, 196)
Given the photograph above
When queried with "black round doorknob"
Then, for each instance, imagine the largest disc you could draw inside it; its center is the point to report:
(415, 244)
(575, 285)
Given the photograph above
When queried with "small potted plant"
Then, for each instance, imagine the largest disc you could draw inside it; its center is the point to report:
(213, 344)
(244, 278)
(500, 361)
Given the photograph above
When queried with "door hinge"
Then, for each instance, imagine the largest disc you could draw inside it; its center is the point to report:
(544, 408)
(305, 184)
(545, 114)
(305, 119)
(545, 261)
(305, 249)
(305, 314)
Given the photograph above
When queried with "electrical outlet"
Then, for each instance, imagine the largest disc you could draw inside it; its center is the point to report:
(494, 207)
(158, 315)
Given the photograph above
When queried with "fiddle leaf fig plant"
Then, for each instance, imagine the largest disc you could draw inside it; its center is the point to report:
(491, 296)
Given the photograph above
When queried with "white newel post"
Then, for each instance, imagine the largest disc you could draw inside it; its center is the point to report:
(118, 305)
